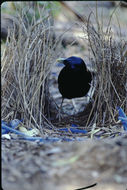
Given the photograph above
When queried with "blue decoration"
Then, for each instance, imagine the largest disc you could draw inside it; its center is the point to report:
(122, 117)
(14, 123)
(73, 130)
(74, 125)
(6, 128)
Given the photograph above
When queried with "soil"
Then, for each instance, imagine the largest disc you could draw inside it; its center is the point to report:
(65, 165)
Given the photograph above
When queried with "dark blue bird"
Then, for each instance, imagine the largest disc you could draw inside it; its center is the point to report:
(74, 79)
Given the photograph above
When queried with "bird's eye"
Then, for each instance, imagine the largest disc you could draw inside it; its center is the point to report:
(73, 66)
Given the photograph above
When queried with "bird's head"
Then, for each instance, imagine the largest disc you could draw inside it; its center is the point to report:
(72, 62)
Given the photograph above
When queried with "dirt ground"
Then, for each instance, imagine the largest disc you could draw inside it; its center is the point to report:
(65, 165)
(68, 165)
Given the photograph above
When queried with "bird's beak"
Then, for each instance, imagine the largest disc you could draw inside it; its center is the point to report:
(60, 60)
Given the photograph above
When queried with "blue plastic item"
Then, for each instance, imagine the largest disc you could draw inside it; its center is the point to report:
(122, 117)
(6, 128)
(73, 130)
